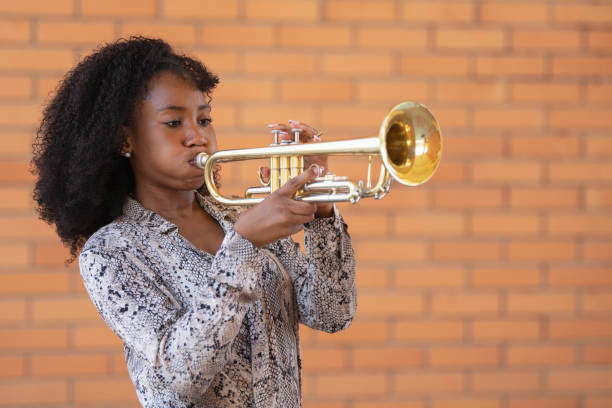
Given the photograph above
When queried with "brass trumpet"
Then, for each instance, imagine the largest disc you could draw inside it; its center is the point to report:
(409, 143)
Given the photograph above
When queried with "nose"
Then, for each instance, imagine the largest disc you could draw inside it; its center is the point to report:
(194, 136)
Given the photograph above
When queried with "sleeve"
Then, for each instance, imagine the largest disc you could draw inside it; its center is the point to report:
(324, 278)
(184, 346)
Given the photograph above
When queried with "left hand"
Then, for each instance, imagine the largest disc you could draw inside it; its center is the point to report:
(308, 135)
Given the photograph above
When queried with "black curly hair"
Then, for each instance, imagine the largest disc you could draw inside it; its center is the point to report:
(83, 180)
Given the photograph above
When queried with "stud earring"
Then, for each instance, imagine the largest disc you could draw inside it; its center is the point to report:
(127, 154)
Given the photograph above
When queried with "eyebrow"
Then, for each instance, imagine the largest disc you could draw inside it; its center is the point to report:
(182, 108)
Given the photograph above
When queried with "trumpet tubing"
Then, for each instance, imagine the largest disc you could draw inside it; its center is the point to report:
(409, 144)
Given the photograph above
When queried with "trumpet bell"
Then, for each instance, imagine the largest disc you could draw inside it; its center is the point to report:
(411, 143)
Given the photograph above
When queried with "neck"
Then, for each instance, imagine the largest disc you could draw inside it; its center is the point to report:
(170, 204)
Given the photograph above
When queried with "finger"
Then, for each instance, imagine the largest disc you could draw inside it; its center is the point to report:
(309, 131)
(264, 174)
(302, 208)
(293, 185)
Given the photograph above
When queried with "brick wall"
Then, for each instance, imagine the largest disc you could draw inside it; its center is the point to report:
(490, 286)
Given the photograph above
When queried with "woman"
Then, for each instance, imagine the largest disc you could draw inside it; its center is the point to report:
(206, 299)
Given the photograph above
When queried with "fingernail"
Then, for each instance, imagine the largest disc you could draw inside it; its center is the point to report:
(316, 138)
(284, 133)
(294, 121)
(315, 168)
(272, 124)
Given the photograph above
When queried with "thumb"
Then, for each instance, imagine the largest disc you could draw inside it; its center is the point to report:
(292, 186)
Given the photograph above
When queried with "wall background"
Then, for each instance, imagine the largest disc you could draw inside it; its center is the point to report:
(490, 286)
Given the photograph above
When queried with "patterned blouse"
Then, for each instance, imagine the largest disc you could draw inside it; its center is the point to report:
(217, 331)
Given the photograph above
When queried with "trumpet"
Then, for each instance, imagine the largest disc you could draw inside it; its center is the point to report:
(409, 145)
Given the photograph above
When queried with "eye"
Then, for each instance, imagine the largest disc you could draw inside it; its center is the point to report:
(173, 123)
(205, 122)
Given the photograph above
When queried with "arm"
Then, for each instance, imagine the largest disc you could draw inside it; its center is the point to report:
(186, 346)
(324, 279)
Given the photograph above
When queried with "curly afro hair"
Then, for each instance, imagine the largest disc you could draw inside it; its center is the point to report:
(83, 181)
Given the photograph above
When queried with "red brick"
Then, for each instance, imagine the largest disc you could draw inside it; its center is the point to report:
(384, 403)
(244, 35)
(473, 91)
(25, 227)
(279, 62)
(544, 92)
(465, 304)
(69, 364)
(69, 32)
(357, 63)
(234, 90)
(20, 114)
(427, 383)
(316, 90)
(435, 66)
(196, 9)
(579, 225)
(429, 277)
(353, 385)
(261, 115)
(361, 10)
(178, 33)
(580, 379)
(396, 357)
(14, 30)
(598, 402)
(576, 277)
(582, 13)
(441, 12)
(470, 38)
(508, 118)
(391, 91)
(390, 305)
(505, 329)
(35, 393)
(392, 38)
(513, 12)
(324, 359)
(580, 171)
(429, 330)
(104, 390)
(586, 328)
(562, 145)
(540, 355)
(15, 198)
(13, 255)
(12, 311)
(379, 251)
(582, 66)
(581, 118)
(510, 66)
(599, 146)
(544, 402)
(468, 198)
(430, 225)
(136, 8)
(500, 381)
(597, 354)
(466, 251)
(304, 10)
(59, 7)
(12, 367)
(96, 338)
(315, 36)
(64, 310)
(542, 250)
(372, 278)
(470, 402)
(448, 171)
(538, 39)
(33, 339)
(217, 61)
(464, 356)
(16, 143)
(543, 198)
(599, 40)
(598, 198)
(505, 225)
(359, 332)
(32, 283)
(451, 117)
(505, 277)
(473, 145)
(365, 119)
(597, 302)
(507, 171)
(541, 303)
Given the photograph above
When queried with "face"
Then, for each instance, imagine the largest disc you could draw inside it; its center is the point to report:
(172, 125)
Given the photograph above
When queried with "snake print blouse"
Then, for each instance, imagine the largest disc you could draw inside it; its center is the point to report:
(217, 331)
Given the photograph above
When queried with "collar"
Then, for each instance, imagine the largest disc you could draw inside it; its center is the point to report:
(135, 212)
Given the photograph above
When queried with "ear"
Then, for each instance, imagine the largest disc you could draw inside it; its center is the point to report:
(128, 144)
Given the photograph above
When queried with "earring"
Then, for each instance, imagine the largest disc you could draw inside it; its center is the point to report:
(127, 154)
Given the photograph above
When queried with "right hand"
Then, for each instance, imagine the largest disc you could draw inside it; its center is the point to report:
(279, 215)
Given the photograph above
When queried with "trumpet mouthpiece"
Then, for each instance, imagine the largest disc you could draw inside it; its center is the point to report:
(200, 160)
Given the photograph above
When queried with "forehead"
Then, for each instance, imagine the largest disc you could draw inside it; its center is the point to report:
(169, 88)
